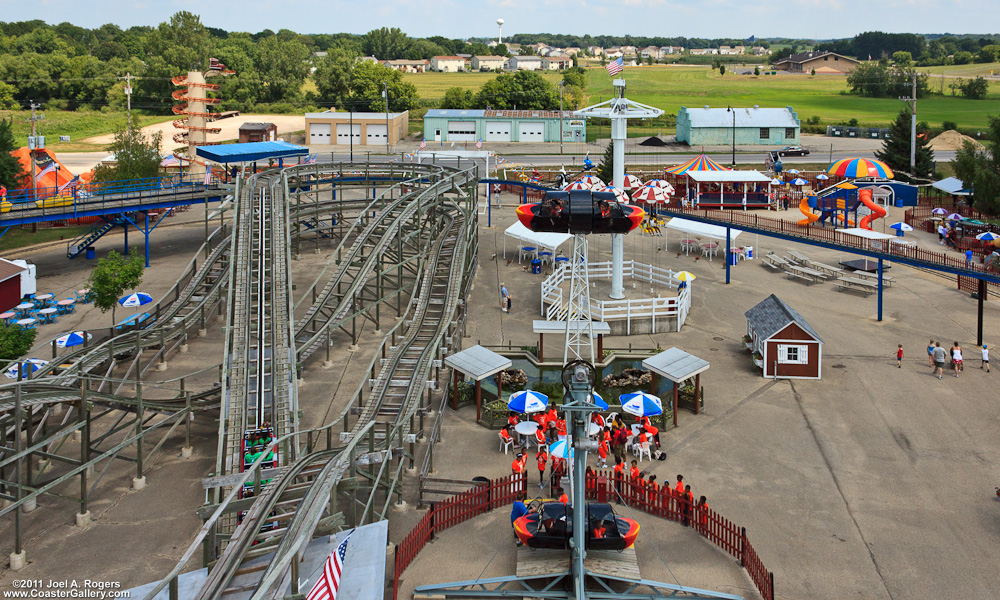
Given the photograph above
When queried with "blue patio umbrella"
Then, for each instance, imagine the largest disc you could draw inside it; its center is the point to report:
(135, 299)
(798, 181)
(28, 366)
(599, 402)
(901, 226)
(988, 236)
(641, 404)
(792, 171)
(73, 338)
(561, 449)
(527, 401)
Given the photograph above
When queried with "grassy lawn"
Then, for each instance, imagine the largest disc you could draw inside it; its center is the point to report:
(433, 85)
(78, 124)
(670, 88)
(963, 70)
(19, 238)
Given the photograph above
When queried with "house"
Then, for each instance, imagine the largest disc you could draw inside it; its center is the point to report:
(760, 51)
(628, 51)
(408, 66)
(571, 51)
(595, 50)
(370, 59)
(783, 344)
(258, 132)
(732, 50)
(703, 51)
(749, 126)
(447, 64)
(822, 62)
(613, 53)
(356, 128)
(513, 49)
(13, 277)
(487, 63)
(653, 52)
(666, 50)
(556, 63)
(525, 63)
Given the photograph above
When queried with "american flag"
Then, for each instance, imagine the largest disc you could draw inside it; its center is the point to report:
(73, 181)
(423, 144)
(52, 167)
(479, 144)
(616, 66)
(310, 159)
(326, 586)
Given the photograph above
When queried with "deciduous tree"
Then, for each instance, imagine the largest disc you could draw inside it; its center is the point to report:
(15, 341)
(136, 155)
(112, 276)
(366, 88)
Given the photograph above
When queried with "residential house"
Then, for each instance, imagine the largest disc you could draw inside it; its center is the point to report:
(732, 50)
(822, 62)
(653, 52)
(525, 63)
(487, 63)
(557, 63)
(703, 51)
(447, 64)
(667, 50)
(409, 66)
(760, 51)
(595, 50)
(613, 52)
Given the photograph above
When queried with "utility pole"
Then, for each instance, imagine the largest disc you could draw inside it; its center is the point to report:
(385, 95)
(128, 96)
(33, 145)
(561, 85)
(913, 123)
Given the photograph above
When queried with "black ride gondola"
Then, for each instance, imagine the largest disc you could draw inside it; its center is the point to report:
(551, 526)
(580, 211)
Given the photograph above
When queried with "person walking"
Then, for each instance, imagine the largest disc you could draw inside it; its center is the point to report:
(504, 297)
(703, 513)
(942, 231)
(968, 259)
(930, 354)
(956, 358)
(940, 356)
(986, 359)
(899, 357)
(541, 458)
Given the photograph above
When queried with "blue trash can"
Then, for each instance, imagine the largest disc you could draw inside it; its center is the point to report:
(536, 267)
(733, 257)
(91, 253)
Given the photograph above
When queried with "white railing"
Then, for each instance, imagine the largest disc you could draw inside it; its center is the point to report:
(553, 307)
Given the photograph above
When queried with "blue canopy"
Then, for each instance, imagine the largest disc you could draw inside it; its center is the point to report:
(250, 152)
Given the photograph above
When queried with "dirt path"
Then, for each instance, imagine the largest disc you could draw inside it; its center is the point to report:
(230, 129)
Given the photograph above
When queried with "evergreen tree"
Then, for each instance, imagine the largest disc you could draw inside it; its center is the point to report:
(10, 168)
(896, 149)
(606, 168)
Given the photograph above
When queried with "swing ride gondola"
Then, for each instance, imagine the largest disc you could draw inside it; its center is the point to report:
(580, 212)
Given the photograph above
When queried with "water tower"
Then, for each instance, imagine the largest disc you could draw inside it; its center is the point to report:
(500, 28)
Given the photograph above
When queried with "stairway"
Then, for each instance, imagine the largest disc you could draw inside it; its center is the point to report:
(77, 246)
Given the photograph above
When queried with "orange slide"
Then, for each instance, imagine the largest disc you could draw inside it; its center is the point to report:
(810, 216)
(878, 212)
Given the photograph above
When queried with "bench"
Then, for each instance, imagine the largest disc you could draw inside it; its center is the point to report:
(798, 258)
(886, 280)
(834, 271)
(857, 285)
(775, 262)
(804, 274)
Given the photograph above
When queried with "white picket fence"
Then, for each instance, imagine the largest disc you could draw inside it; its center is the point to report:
(553, 307)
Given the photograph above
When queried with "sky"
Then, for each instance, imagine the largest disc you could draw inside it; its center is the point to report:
(738, 19)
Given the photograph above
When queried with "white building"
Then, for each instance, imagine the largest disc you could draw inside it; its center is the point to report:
(613, 52)
(703, 51)
(595, 50)
(447, 64)
(487, 63)
(408, 66)
(732, 50)
(760, 51)
(556, 63)
(653, 52)
(666, 50)
(525, 63)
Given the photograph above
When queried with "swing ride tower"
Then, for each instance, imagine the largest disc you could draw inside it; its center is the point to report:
(619, 110)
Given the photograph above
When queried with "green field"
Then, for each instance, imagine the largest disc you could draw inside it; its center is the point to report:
(972, 70)
(670, 88)
(78, 124)
(433, 85)
(19, 238)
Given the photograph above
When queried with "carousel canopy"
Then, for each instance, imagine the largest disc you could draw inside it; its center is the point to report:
(860, 167)
(698, 163)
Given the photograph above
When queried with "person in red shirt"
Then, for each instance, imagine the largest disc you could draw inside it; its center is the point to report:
(653, 433)
(679, 488)
(541, 457)
(562, 496)
(688, 504)
(602, 454)
(505, 434)
(634, 472)
(899, 359)
(703, 513)
(552, 415)
(517, 467)
(596, 417)
(541, 420)
(619, 478)
(512, 419)
(540, 437)
(561, 428)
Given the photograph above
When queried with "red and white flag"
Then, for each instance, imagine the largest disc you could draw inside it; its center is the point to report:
(479, 144)
(423, 144)
(616, 66)
(326, 586)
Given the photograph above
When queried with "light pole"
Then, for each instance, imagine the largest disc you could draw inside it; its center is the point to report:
(385, 94)
(561, 85)
(730, 109)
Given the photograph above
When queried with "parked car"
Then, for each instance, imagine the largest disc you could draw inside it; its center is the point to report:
(793, 151)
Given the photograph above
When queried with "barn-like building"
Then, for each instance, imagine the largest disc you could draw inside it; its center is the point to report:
(785, 346)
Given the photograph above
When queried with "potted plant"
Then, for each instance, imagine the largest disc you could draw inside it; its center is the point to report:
(758, 359)
(748, 341)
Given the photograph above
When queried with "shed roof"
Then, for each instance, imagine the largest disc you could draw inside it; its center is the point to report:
(676, 364)
(952, 185)
(478, 362)
(256, 126)
(745, 117)
(249, 152)
(454, 112)
(803, 57)
(729, 176)
(528, 114)
(9, 269)
(544, 326)
(772, 315)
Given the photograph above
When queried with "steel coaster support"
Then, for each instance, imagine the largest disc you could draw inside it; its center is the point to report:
(578, 319)
(879, 289)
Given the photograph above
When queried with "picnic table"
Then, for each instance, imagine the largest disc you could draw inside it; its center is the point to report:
(886, 279)
(774, 261)
(686, 245)
(831, 270)
(799, 258)
(864, 286)
(66, 306)
(24, 307)
(805, 273)
(83, 295)
(7, 316)
(26, 323)
(44, 298)
(48, 315)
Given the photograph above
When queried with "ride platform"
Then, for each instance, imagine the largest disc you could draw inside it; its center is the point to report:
(541, 562)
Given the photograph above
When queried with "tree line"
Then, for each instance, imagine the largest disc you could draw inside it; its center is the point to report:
(925, 51)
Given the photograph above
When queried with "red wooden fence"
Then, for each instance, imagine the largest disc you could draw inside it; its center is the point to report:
(600, 486)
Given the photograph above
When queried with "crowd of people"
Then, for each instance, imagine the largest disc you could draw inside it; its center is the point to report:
(938, 357)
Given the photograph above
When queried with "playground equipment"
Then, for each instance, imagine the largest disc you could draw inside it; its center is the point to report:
(877, 212)
(811, 217)
(194, 103)
(837, 204)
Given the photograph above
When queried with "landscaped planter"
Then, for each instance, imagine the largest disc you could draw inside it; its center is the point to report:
(758, 360)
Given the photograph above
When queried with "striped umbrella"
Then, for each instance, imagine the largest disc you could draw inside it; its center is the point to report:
(593, 181)
(955, 217)
(698, 163)
(620, 195)
(860, 167)
(649, 194)
(577, 185)
(561, 449)
(599, 402)
(792, 171)
(135, 299)
(777, 181)
(527, 401)
(641, 404)
(822, 177)
(28, 366)
(685, 276)
(939, 211)
(988, 236)
(798, 181)
(631, 182)
(662, 184)
(901, 226)
(73, 338)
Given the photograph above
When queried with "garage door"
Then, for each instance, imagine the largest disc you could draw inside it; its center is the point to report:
(345, 131)
(319, 133)
(531, 132)
(461, 131)
(376, 134)
(497, 131)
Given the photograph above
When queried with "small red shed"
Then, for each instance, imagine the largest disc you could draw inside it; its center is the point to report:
(783, 344)
(10, 284)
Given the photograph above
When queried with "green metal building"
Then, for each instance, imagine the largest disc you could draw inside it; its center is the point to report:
(752, 126)
(460, 125)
